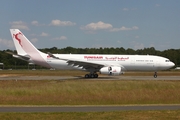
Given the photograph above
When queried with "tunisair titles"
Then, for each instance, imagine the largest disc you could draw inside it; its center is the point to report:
(105, 58)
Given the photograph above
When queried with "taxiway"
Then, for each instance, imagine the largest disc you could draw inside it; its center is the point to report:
(80, 77)
(86, 108)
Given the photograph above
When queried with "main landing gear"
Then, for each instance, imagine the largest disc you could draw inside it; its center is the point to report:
(93, 75)
(155, 74)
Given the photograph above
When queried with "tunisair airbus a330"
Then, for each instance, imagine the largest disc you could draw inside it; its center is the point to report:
(94, 63)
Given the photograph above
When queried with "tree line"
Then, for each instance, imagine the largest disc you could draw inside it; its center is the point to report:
(10, 62)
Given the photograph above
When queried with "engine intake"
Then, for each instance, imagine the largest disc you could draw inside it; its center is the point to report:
(112, 70)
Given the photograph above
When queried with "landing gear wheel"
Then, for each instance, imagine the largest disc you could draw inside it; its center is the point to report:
(91, 75)
(95, 75)
(155, 75)
(86, 76)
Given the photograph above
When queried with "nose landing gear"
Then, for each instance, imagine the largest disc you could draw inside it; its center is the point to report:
(155, 74)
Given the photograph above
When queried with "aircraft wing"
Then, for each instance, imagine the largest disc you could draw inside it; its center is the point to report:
(84, 64)
(79, 63)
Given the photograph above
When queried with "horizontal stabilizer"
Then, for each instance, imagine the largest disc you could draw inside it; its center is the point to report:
(23, 57)
(51, 55)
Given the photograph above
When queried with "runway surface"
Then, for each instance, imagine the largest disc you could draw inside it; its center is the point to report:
(86, 108)
(3, 77)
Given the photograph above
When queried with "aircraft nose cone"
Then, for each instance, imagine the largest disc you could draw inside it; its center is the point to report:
(172, 64)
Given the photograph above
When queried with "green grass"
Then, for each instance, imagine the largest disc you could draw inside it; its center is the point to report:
(88, 92)
(124, 115)
(43, 72)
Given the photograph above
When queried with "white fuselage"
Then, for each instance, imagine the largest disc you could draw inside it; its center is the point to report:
(126, 62)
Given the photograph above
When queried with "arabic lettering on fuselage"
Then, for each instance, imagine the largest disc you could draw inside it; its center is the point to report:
(111, 58)
(117, 58)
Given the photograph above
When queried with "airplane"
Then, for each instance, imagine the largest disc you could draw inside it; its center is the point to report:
(93, 63)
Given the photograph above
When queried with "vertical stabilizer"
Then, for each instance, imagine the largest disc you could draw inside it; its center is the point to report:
(17, 42)
(25, 47)
(22, 44)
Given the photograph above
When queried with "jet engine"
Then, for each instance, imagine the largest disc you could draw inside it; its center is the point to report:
(112, 70)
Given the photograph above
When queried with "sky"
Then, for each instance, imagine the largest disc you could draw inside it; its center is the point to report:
(135, 24)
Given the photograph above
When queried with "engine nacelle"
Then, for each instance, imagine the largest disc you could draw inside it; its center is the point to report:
(112, 70)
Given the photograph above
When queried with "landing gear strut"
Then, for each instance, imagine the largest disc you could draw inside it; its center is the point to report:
(155, 74)
(94, 75)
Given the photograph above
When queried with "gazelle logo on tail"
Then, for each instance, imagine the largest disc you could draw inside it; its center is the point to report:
(17, 38)
(25, 48)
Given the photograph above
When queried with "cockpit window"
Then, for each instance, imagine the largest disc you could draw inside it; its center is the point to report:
(167, 61)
